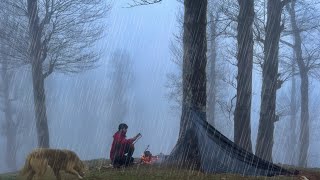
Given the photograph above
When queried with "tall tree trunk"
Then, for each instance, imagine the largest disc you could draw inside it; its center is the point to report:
(11, 128)
(194, 58)
(194, 79)
(40, 106)
(212, 78)
(242, 114)
(304, 129)
(293, 120)
(35, 31)
(269, 80)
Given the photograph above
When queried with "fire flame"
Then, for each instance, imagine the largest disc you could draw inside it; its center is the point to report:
(148, 159)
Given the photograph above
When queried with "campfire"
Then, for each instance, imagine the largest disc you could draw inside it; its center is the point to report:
(148, 158)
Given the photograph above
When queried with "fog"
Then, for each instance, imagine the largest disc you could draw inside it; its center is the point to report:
(81, 107)
(78, 105)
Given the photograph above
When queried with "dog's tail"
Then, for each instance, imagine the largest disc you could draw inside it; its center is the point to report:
(27, 167)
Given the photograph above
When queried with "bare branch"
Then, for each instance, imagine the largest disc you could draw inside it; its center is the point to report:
(286, 43)
(50, 70)
(48, 14)
(285, 2)
(68, 30)
(142, 3)
(259, 38)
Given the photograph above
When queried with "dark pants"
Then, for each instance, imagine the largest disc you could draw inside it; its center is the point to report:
(126, 159)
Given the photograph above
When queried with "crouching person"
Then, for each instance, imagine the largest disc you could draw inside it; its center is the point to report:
(122, 149)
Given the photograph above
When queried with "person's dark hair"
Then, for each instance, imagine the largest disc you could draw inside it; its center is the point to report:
(122, 126)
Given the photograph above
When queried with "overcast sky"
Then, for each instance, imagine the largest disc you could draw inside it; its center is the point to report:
(77, 105)
(145, 33)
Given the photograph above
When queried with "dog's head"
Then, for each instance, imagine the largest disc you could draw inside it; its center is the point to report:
(81, 168)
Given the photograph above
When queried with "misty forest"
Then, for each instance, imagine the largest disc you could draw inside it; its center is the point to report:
(217, 88)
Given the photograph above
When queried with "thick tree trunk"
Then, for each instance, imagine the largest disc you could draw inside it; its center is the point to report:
(194, 58)
(194, 79)
(35, 32)
(40, 106)
(242, 114)
(212, 75)
(269, 81)
(304, 128)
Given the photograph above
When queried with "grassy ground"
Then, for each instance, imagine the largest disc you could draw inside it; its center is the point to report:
(154, 172)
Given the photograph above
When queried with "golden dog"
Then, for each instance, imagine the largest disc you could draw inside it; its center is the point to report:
(39, 159)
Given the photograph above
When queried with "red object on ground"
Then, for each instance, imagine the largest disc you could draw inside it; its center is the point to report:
(147, 158)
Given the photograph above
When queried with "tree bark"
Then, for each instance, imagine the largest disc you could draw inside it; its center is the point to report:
(212, 78)
(269, 80)
(194, 58)
(304, 129)
(36, 48)
(242, 114)
(194, 79)
(40, 106)
(293, 120)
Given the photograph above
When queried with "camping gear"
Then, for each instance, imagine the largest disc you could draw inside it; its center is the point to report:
(147, 157)
(218, 154)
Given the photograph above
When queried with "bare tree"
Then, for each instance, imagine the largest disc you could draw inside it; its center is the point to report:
(56, 36)
(10, 126)
(174, 82)
(11, 97)
(194, 78)
(219, 27)
(212, 70)
(242, 116)
(8, 98)
(16, 119)
(289, 103)
(121, 81)
(269, 79)
(306, 65)
(293, 117)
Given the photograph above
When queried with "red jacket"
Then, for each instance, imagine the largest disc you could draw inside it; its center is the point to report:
(118, 145)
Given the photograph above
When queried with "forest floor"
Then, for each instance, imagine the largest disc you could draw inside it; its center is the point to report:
(156, 172)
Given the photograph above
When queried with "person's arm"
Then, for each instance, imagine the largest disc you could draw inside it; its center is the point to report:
(127, 141)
